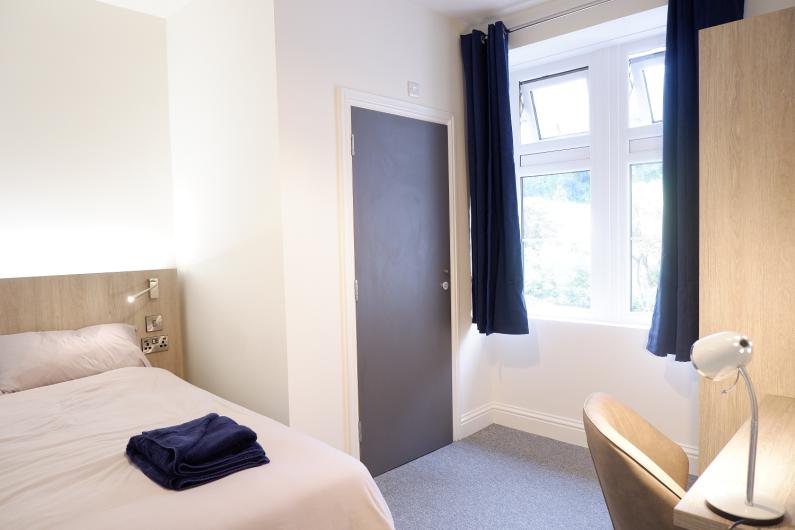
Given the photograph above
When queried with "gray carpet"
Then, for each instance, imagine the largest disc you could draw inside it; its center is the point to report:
(497, 478)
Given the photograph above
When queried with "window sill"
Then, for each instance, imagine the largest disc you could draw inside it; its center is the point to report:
(588, 321)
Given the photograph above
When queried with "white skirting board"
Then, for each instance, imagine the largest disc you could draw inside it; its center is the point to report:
(560, 428)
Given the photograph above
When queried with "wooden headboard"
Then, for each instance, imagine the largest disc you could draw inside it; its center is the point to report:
(51, 303)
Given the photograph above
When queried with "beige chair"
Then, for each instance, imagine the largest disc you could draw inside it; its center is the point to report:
(643, 474)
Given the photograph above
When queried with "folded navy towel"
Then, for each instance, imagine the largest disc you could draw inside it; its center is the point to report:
(196, 452)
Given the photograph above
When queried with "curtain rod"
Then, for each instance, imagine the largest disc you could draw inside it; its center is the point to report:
(558, 15)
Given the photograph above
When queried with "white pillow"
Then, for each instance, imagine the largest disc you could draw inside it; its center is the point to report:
(30, 360)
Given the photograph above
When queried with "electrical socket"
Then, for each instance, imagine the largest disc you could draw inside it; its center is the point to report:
(154, 344)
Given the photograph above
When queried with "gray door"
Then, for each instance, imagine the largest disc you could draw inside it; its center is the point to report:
(402, 245)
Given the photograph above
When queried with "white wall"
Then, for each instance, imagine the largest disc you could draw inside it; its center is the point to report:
(760, 7)
(374, 46)
(85, 169)
(222, 80)
(542, 380)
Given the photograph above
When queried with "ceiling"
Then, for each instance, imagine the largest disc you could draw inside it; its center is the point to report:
(158, 8)
(451, 8)
(475, 8)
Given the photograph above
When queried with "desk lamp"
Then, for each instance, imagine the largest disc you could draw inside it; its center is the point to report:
(717, 357)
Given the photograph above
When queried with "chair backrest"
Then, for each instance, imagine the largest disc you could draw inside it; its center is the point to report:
(642, 473)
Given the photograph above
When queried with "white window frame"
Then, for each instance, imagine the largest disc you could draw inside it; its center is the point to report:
(607, 152)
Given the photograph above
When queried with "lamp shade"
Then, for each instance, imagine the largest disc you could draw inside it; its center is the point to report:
(719, 355)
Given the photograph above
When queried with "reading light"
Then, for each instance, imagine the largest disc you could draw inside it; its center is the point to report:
(153, 291)
(717, 357)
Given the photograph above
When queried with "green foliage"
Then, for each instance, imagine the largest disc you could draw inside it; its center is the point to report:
(646, 180)
(556, 220)
(570, 187)
(556, 230)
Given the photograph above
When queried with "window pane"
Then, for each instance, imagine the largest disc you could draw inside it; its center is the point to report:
(554, 106)
(646, 234)
(653, 75)
(645, 76)
(556, 229)
(645, 274)
(527, 127)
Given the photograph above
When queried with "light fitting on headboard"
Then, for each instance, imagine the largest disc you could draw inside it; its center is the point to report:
(154, 292)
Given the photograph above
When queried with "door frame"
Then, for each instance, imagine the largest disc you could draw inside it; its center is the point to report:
(346, 99)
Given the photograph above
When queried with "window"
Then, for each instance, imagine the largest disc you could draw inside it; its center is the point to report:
(645, 236)
(556, 216)
(588, 142)
(554, 106)
(645, 77)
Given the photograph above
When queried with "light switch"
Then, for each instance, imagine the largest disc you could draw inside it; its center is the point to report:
(154, 323)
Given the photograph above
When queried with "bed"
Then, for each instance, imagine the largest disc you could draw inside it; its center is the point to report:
(66, 417)
(63, 465)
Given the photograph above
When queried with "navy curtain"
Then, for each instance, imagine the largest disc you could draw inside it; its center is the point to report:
(675, 323)
(497, 280)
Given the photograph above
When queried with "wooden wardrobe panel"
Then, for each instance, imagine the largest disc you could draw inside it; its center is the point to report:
(50, 303)
(747, 209)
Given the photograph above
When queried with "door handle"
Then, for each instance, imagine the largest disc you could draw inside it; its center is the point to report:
(445, 285)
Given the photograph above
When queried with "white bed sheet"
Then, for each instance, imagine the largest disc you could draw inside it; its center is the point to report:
(62, 464)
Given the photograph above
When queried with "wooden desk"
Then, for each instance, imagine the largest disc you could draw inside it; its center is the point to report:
(775, 468)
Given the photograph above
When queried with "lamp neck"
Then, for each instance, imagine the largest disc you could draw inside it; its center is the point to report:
(749, 489)
(153, 284)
